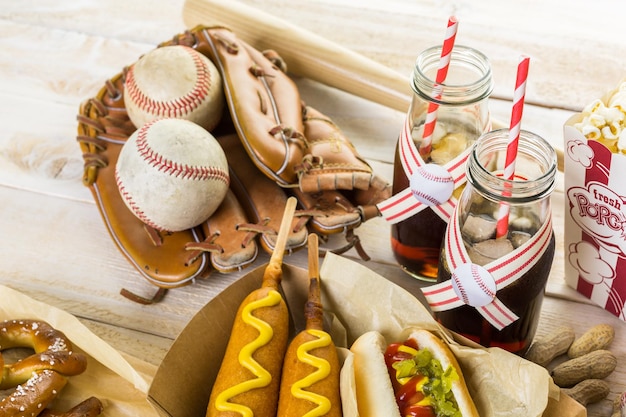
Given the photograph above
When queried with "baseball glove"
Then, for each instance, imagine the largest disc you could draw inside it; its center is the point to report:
(276, 147)
(293, 144)
(161, 258)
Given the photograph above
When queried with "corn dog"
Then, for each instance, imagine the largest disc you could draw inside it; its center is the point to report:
(248, 381)
(310, 380)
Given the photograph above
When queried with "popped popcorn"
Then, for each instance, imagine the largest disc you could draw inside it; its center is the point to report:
(606, 122)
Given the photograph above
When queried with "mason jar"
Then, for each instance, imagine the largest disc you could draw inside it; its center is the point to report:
(495, 282)
(462, 115)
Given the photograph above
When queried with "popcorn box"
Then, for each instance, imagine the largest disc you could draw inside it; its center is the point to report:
(595, 212)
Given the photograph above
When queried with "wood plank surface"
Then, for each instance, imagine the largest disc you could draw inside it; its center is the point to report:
(55, 54)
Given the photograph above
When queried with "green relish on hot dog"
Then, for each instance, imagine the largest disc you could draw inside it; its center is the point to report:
(419, 377)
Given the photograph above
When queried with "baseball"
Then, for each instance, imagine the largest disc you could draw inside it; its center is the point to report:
(172, 174)
(174, 82)
(431, 184)
(474, 285)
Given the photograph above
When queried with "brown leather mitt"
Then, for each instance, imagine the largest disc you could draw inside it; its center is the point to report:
(291, 143)
(227, 241)
(231, 248)
(295, 145)
(276, 147)
(262, 199)
(332, 162)
(103, 128)
(264, 103)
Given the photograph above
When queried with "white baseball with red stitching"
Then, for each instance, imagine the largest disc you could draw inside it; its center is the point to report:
(474, 285)
(431, 184)
(174, 82)
(172, 174)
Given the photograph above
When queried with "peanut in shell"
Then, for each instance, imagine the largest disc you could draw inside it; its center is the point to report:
(594, 365)
(597, 337)
(589, 391)
(544, 349)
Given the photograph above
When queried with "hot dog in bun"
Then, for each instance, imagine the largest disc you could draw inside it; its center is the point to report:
(419, 377)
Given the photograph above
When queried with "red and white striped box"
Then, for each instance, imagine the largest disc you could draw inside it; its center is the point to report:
(595, 203)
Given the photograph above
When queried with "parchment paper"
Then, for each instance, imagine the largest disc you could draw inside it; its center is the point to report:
(501, 384)
(119, 381)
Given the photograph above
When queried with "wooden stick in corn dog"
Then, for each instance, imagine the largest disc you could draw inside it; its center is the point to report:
(248, 381)
(310, 382)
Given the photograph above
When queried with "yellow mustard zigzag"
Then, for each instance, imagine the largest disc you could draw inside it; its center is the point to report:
(322, 371)
(263, 377)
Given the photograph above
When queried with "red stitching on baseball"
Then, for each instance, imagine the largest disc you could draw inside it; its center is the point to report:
(427, 197)
(128, 198)
(481, 283)
(180, 106)
(460, 288)
(160, 163)
(434, 177)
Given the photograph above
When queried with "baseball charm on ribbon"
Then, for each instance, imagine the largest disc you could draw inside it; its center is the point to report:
(474, 285)
(477, 285)
(431, 185)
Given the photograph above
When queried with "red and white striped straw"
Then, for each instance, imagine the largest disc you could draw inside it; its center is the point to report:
(440, 78)
(513, 141)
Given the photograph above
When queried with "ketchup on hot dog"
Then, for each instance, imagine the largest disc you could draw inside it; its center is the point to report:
(421, 386)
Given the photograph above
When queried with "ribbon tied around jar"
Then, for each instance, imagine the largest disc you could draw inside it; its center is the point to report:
(430, 185)
(477, 285)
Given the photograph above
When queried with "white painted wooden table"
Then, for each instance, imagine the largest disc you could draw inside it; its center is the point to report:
(55, 54)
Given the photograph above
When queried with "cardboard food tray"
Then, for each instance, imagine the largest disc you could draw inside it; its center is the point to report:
(356, 300)
(119, 381)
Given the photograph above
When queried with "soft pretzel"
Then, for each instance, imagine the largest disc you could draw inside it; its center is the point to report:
(31, 397)
(38, 379)
(91, 407)
(66, 363)
(53, 351)
(32, 333)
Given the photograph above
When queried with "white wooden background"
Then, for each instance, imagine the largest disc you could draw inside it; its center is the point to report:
(55, 54)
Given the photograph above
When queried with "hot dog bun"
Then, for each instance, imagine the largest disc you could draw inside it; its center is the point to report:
(374, 391)
(427, 340)
(374, 387)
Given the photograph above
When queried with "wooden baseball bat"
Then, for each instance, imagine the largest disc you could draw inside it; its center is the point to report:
(308, 54)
